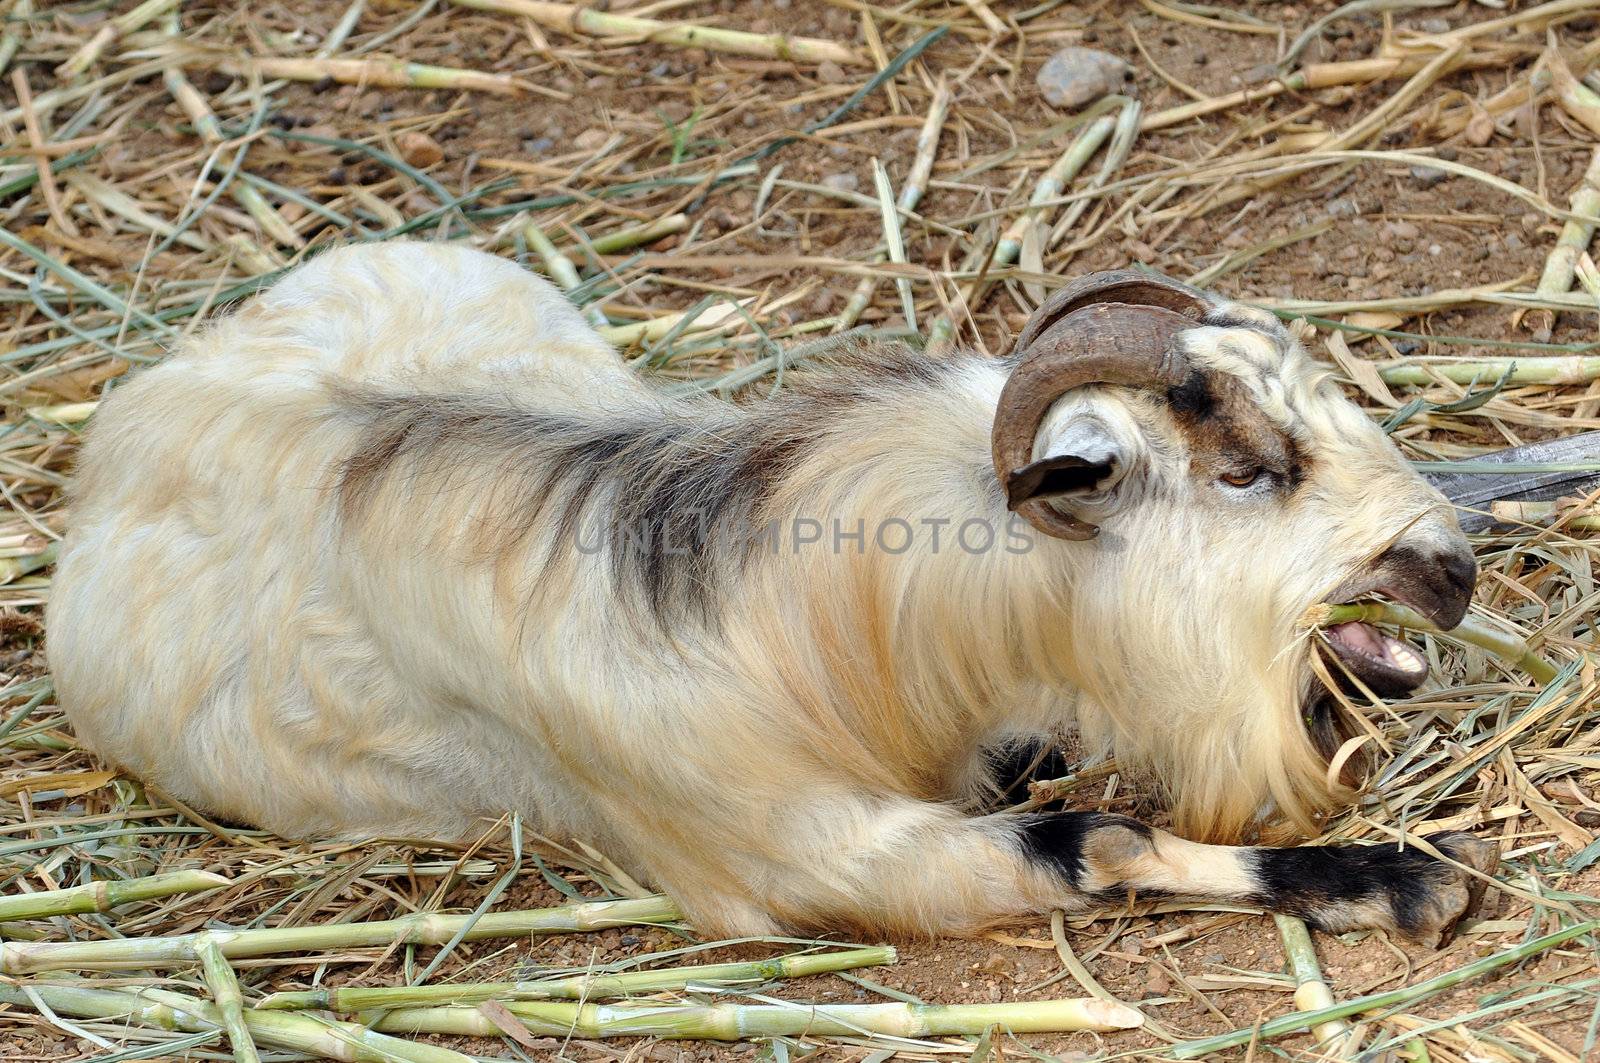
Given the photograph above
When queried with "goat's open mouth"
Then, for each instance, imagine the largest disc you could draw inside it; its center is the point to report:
(1389, 667)
(1386, 665)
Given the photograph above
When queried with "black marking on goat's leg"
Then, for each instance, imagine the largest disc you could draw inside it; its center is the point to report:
(1335, 887)
(1067, 843)
(1349, 886)
(1014, 764)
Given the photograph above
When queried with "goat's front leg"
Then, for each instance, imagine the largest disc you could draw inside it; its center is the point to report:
(1343, 887)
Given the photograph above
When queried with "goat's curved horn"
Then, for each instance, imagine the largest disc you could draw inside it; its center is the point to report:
(1115, 327)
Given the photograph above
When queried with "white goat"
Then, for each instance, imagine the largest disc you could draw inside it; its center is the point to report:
(402, 544)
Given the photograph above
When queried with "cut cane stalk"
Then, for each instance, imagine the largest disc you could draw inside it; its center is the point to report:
(103, 896)
(576, 19)
(425, 928)
(316, 1037)
(351, 999)
(1506, 646)
(735, 1022)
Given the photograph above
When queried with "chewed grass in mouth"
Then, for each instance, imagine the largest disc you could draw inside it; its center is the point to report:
(1350, 631)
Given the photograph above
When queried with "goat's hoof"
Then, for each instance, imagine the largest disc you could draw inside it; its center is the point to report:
(1457, 894)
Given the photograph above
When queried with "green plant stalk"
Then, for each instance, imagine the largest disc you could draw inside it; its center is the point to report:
(561, 269)
(1056, 178)
(11, 40)
(1312, 992)
(86, 55)
(103, 896)
(583, 986)
(910, 195)
(423, 928)
(734, 1022)
(1562, 264)
(649, 233)
(1548, 370)
(893, 238)
(1497, 642)
(225, 992)
(370, 72)
(576, 19)
(1305, 1020)
(165, 1010)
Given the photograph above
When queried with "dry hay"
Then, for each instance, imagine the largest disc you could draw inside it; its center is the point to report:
(1409, 176)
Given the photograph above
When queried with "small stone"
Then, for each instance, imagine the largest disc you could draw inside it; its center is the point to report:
(661, 70)
(1448, 154)
(1514, 242)
(1531, 221)
(1404, 230)
(830, 73)
(419, 149)
(1427, 176)
(538, 145)
(629, 941)
(1343, 207)
(1074, 77)
(1435, 250)
(1434, 25)
(842, 182)
(589, 139)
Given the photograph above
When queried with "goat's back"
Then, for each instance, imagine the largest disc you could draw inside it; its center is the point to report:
(204, 587)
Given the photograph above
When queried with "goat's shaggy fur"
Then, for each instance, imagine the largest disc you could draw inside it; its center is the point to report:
(403, 544)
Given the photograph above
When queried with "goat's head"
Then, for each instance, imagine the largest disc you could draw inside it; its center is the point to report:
(1227, 485)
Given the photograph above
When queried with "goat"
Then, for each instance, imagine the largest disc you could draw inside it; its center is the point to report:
(403, 543)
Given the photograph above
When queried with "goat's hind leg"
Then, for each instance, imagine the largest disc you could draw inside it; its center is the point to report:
(1336, 888)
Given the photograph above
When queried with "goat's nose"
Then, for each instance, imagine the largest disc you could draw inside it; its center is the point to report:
(1435, 581)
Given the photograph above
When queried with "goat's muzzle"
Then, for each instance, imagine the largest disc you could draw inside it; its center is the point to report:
(1436, 581)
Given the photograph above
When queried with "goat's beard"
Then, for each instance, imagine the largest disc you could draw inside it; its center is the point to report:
(1330, 729)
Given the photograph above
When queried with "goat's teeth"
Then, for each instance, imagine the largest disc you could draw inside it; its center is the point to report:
(1405, 656)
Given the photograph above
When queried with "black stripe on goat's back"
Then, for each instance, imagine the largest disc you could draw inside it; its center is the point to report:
(674, 495)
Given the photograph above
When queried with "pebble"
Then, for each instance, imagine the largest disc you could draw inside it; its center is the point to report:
(589, 139)
(1077, 76)
(1435, 250)
(419, 149)
(1427, 176)
(843, 182)
(830, 73)
(1531, 221)
(1343, 207)
(538, 145)
(1434, 25)
(1403, 230)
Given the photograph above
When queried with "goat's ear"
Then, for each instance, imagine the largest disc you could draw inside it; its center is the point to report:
(1078, 459)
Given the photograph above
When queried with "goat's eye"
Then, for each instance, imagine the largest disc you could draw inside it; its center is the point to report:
(1242, 478)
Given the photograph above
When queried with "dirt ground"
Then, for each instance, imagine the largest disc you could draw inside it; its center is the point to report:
(1394, 232)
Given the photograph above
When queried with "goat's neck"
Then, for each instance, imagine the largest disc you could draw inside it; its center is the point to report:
(910, 657)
